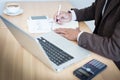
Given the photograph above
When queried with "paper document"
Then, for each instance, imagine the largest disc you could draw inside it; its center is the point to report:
(46, 25)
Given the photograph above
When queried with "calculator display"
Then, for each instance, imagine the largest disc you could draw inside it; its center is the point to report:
(84, 73)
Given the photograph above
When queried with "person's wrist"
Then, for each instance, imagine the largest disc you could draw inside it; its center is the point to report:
(79, 34)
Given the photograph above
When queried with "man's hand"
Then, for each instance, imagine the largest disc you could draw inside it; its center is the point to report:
(68, 33)
(63, 17)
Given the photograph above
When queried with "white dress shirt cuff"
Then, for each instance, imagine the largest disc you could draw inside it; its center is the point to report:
(73, 15)
(79, 35)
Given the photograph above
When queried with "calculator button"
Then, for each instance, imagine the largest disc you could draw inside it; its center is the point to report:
(88, 70)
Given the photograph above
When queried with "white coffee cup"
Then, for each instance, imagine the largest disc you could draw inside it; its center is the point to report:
(12, 8)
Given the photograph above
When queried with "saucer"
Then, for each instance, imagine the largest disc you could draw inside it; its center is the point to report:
(13, 14)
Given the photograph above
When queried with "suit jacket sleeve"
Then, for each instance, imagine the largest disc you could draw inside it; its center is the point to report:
(105, 46)
(85, 14)
(108, 47)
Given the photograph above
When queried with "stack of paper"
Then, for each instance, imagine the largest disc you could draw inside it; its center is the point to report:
(46, 25)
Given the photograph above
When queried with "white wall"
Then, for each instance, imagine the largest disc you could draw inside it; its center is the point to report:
(82, 4)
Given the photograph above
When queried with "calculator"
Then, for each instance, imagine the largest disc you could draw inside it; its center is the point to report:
(89, 70)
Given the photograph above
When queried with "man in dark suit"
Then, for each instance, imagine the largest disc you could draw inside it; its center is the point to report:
(105, 39)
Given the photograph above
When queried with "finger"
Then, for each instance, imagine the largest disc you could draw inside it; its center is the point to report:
(64, 35)
(60, 30)
(62, 16)
(59, 21)
(55, 16)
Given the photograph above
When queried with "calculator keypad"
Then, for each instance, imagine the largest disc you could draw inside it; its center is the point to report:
(89, 70)
(94, 65)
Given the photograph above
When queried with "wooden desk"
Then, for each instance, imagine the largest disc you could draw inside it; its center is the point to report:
(18, 64)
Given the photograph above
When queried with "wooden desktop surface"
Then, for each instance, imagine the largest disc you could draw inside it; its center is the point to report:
(18, 64)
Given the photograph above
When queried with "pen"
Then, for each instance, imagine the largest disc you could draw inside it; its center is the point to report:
(59, 8)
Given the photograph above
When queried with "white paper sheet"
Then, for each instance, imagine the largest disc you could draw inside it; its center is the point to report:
(46, 25)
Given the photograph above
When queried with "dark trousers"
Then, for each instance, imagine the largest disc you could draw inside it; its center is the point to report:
(117, 64)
